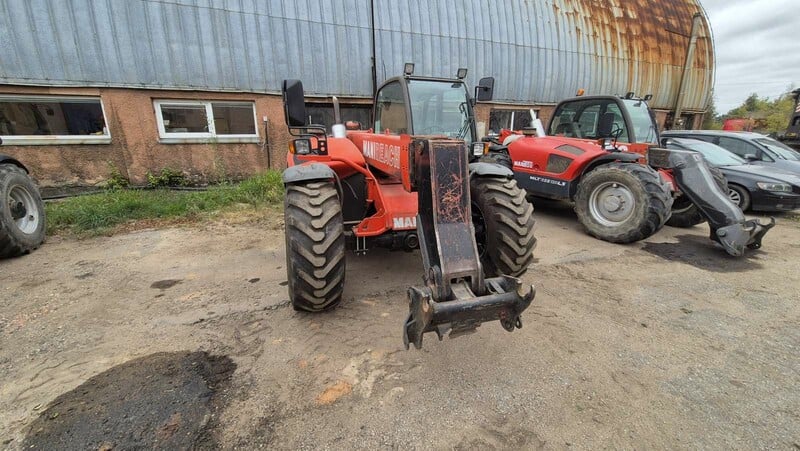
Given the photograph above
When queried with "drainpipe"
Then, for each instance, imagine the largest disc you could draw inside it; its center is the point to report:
(687, 67)
(374, 51)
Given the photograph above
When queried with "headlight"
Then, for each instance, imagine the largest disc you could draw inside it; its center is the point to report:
(301, 146)
(775, 187)
(477, 149)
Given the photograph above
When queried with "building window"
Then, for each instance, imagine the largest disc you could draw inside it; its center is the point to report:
(509, 119)
(192, 121)
(322, 114)
(47, 120)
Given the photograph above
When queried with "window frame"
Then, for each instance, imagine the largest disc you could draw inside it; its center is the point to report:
(514, 112)
(402, 83)
(47, 140)
(211, 136)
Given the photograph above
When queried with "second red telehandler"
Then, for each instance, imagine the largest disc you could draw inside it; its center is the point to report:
(601, 152)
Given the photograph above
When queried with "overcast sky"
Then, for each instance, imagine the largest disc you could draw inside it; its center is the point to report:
(757, 46)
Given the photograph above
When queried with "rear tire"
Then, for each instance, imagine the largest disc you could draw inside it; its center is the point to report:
(685, 213)
(315, 246)
(623, 202)
(504, 222)
(22, 216)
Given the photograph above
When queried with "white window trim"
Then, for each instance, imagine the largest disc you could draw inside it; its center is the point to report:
(47, 140)
(202, 138)
(514, 112)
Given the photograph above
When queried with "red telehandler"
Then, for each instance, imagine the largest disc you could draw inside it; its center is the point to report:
(412, 181)
(601, 153)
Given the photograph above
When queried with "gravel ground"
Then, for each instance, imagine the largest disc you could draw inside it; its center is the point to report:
(668, 343)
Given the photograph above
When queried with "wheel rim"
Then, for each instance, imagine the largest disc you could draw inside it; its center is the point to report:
(611, 204)
(25, 211)
(735, 196)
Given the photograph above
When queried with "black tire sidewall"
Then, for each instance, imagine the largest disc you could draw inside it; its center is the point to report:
(744, 204)
(11, 177)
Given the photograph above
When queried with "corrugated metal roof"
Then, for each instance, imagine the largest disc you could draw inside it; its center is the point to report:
(539, 51)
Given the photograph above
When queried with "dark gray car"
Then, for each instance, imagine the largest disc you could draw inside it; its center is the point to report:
(753, 147)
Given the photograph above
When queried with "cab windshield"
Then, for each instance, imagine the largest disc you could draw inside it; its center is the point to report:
(440, 108)
(643, 127)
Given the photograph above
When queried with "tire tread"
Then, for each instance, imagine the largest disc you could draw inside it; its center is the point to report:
(315, 246)
(510, 223)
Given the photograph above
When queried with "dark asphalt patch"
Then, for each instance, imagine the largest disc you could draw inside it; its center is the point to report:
(703, 253)
(160, 401)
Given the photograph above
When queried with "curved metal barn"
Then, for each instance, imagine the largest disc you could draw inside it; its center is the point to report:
(539, 52)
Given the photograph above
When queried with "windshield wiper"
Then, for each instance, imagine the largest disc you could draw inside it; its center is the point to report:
(462, 132)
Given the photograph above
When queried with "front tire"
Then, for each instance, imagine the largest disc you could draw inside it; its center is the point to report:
(623, 202)
(315, 246)
(22, 216)
(504, 222)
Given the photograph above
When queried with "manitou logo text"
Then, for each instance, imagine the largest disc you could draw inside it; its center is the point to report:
(384, 153)
(405, 222)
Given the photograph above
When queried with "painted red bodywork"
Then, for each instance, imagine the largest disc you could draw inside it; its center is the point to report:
(383, 159)
(530, 155)
(739, 125)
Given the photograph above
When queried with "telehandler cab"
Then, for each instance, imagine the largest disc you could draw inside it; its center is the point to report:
(408, 183)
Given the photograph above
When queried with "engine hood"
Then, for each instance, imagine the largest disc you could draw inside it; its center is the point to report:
(553, 142)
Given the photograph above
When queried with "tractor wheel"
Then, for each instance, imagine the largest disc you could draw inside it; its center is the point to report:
(503, 221)
(498, 157)
(623, 202)
(22, 217)
(685, 213)
(315, 263)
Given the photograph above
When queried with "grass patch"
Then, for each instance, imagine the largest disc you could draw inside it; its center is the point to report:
(100, 213)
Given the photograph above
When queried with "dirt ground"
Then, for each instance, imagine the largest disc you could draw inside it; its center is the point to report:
(668, 343)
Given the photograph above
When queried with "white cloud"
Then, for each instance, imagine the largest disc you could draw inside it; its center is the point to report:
(757, 48)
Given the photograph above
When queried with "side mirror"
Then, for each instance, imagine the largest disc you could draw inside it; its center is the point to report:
(606, 125)
(294, 103)
(484, 92)
(751, 157)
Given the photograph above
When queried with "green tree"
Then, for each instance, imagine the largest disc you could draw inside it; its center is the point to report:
(711, 118)
(769, 115)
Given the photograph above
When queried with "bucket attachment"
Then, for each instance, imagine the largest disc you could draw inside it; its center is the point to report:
(459, 316)
(729, 227)
(456, 298)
